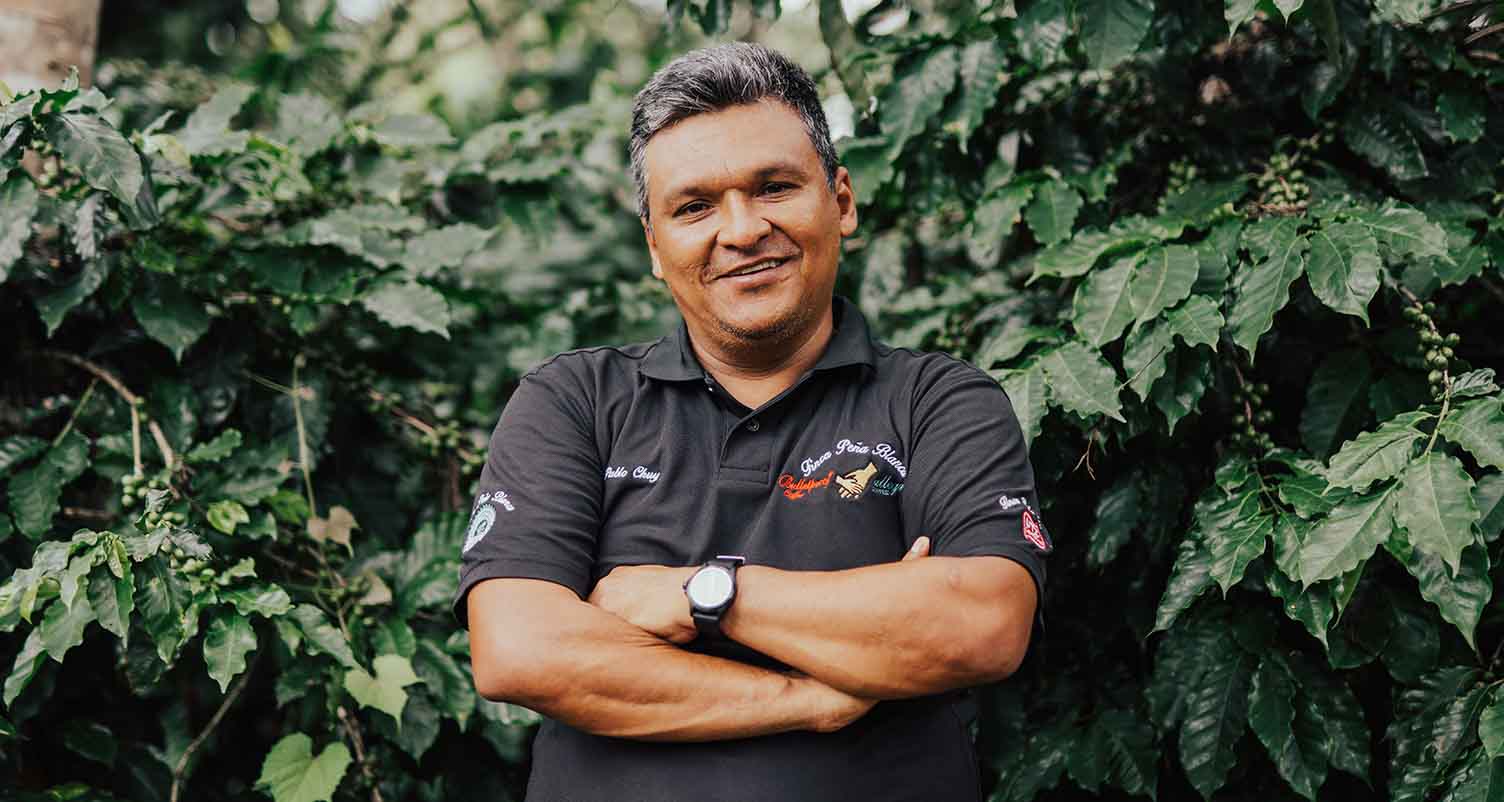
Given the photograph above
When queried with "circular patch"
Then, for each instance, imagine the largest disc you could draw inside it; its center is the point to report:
(1032, 532)
(480, 525)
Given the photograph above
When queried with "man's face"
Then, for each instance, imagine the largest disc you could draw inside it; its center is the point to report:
(744, 227)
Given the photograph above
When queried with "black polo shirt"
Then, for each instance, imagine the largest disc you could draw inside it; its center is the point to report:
(634, 455)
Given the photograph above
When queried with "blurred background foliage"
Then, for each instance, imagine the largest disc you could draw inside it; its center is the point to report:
(268, 283)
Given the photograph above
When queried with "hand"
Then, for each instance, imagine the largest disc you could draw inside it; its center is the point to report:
(852, 485)
(650, 597)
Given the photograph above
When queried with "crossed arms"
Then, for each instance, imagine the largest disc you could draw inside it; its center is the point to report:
(610, 665)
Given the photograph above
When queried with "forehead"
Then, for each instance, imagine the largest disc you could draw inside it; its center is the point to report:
(724, 145)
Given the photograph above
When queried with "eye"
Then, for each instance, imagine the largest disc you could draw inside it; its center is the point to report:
(693, 207)
(775, 187)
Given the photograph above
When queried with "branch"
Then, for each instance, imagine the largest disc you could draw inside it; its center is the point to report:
(224, 707)
(168, 455)
(360, 751)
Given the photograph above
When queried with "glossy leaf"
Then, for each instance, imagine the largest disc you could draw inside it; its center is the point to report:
(291, 772)
(1053, 212)
(1082, 382)
(1347, 537)
(1111, 30)
(1102, 309)
(1344, 267)
(383, 691)
(18, 205)
(1378, 455)
(1436, 507)
(1263, 288)
(1197, 321)
(410, 305)
(228, 639)
(1162, 279)
(1478, 426)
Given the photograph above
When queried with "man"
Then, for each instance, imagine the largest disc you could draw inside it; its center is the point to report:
(875, 506)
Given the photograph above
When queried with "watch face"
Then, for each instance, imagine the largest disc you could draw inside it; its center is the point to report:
(710, 587)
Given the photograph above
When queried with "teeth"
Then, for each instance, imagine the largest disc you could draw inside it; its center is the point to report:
(763, 265)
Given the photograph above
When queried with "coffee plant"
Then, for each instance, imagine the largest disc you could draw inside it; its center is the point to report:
(1238, 266)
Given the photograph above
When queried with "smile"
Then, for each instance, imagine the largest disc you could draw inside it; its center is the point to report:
(755, 268)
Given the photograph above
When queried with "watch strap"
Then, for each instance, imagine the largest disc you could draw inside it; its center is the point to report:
(708, 622)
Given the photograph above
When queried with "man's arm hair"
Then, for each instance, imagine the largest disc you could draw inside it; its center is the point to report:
(535, 643)
(892, 630)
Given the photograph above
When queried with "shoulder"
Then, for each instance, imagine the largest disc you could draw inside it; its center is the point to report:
(593, 362)
(923, 373)
(582, 380)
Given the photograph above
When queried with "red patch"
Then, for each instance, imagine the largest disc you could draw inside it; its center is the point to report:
(1032, 532)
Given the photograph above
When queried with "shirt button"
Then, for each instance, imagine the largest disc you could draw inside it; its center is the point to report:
(753, 425)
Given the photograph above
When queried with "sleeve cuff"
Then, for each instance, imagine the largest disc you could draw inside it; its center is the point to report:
(474, 574)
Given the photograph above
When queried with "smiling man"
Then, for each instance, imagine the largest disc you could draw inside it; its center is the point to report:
(766, 556)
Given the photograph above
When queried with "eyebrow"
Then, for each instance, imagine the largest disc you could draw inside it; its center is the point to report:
(762, 174)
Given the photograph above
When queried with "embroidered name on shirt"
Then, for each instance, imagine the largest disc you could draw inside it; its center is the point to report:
(640, 472)
(796, 488)
(883, 451)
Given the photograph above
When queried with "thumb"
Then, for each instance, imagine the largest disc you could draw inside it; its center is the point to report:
(921, 548)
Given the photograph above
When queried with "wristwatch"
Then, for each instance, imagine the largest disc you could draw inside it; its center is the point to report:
(711, 590)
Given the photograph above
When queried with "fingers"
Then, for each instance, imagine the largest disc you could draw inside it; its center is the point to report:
(921, 548)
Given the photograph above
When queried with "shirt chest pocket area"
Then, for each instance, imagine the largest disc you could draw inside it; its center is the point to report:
(639, 523)
(846, 514)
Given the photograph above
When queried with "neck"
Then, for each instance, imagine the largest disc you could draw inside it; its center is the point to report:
(753, 373)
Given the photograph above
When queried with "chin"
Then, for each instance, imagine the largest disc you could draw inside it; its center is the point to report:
(765, 328)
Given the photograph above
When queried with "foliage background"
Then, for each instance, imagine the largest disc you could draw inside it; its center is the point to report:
(1237, 265)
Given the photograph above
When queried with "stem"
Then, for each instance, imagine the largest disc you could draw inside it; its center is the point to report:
(1446, 403)
(360, 751)
(77, 410)
(224, 707)
(297, 413)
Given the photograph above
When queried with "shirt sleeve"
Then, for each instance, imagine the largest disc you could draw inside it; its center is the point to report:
(970, 487)
(537, 511)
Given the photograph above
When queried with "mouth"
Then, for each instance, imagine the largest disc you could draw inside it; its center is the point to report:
(755, 268)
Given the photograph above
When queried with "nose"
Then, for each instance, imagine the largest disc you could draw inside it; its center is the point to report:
(744, 225)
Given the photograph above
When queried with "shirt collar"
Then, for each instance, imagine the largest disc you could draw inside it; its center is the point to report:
(673, 359)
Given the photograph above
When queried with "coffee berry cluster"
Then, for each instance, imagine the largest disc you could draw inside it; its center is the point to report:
(1250, 417)
(1435, 347)
(134, 488)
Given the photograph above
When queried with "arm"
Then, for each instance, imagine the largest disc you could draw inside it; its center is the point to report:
(886, 631)
(536, 644)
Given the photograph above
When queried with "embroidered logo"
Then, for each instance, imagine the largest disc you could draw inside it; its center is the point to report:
(1032, 532)
(886, 452)
(795, 488)
(641, 473)
(850, 486)
(1008, 502)
(484, 517)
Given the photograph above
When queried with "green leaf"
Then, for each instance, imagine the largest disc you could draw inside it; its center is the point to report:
(1263, 288)
(33, 494)
(207, 131)
(410, 305)
(1042, 29)
(1082, 382)
(1324, 697)
(1053, 212)
(163, 601)
(1491, 727)
(1460, 598)
(217, 449)
(1463, 116)
(62, 626)
(1191, 577)
(1027, 392)
(1111, 30)
(1101, 309)
(1314, 608)
(1187, 375)
(1378, 455)
(1478, 426)
(1489, 493)
(90, 740)
(992, 221)
(1237, 13)
(54, 306)
(982, 77)
(1377, 134)
(1119, 512)
(1288, 7)
(1009, 341)
(306, 122)
(1407, 12)
(383, 691)
(1118, 750)
(99, 153)
(1335, 401)
(267, 601)
(439, 248)
(113, 600)
(1199, 201)
(173, 317)
(1347, 537)
(323, 636)
(1198, 321)
(918, 92)
(225, 515)
(17, 449)
(1296, 743)
(1422, 729)
(1344, 267)
(1403, 231)
(1145, 355)
(1076, 256)
(1480, 778)
(291, 773)
(1436, 507)
(1234, 547)
(1162, 279)
(411, 131)
(18, 205)
(28, 660)
(448, 682)
(1474, 382)
(1216, 715)
(227, 641)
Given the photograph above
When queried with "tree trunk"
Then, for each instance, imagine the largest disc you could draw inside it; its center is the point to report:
(41, 39)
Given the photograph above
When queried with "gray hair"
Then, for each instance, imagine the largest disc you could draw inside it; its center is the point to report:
(715, 78)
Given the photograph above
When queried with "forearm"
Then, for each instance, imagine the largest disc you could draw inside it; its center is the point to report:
(891, 630)
(594, 671)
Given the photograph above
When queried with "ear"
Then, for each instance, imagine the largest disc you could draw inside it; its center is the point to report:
(647, 234)
(845, 202)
